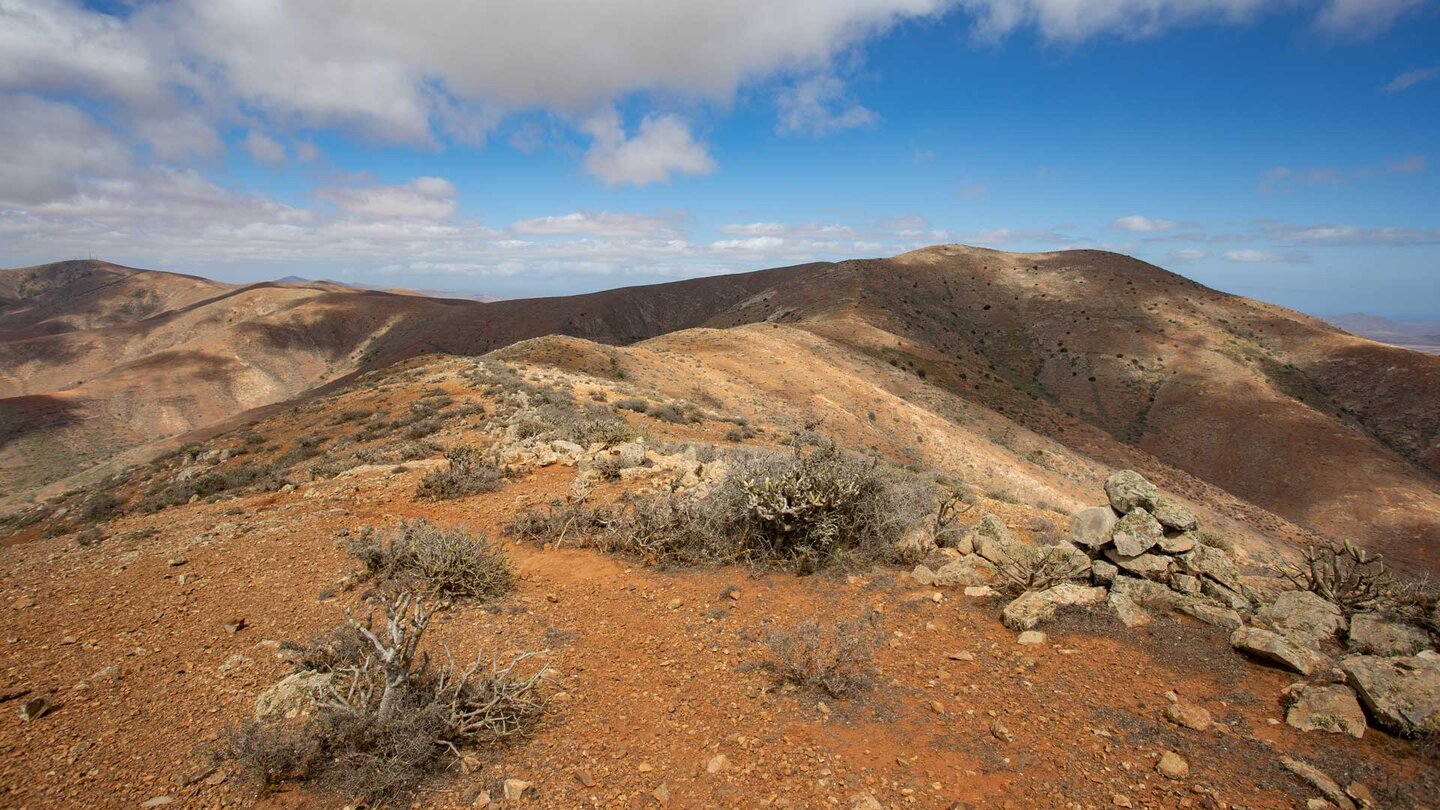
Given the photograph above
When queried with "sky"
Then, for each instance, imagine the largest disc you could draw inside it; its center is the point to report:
(1280, 149)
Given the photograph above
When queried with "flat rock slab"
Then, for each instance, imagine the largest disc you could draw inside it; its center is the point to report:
(1032, 609)
(1372, 634)
(1277, 649)
(1402, 694)
(1303, 617)
(1326, 707)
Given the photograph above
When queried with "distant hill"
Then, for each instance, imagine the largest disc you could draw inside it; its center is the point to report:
(1113, 360)
(1422, 336)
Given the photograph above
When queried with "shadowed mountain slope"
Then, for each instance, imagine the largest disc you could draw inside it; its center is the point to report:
(1108, 357)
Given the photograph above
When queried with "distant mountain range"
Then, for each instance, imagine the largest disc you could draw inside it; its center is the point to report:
(1422, 336)
(1275, 418)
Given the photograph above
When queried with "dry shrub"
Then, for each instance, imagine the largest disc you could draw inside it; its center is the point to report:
(448, 562)
(469, 473)
(1348, 577)
(804, 508)
(560, 521)
(1035, 568)
(390, 719)
(837, 660)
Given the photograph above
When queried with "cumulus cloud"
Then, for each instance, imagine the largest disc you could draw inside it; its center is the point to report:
(1410, 78)
(1140, 224)
(422, 198)
(34, 170)
(818, 106)
(662, 146)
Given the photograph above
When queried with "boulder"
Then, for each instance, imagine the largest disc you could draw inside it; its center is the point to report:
(1125, 609)
(1325, 707)
(1277, 649)
(972, 569)
(630, 454)
(1033, 608)
(1184, 583)
(1065, 559)
(1373, 634)
(995, 542)
(1177, 542)
(1136, 533)
(1173, 515)
(1103, 573)
(293, 696)
(1303, 617)
(1128, 489)
(1090, 528)
(1402, 694)
(1145, 592)
(1225, 596)
(1206, 561)
(1149, 566)
(1210, 614)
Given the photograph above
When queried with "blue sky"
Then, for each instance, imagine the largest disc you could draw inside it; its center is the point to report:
(1283, 149)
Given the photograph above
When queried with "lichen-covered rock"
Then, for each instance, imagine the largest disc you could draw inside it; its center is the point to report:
(1325, 707)
(1303, 617)
(1177, 543)
(1277, 649)
(1173, 515)
(1225, 596)
(1103, 573)
(1205, 561)
(995, 542)
(1209, 614)
(1186, 584)
(1091, 528)
(1373, 634)
(293, 696)
(1136, 533)
(1125, 609)
(1149, 566)
(971, 569)
(1033, 608)
(1128, 489)
(1402, 694)
(1145, 592)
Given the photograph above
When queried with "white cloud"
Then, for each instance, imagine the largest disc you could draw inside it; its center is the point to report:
(1410, 78)
(265, 149)
(663, 145)
(1140, 224)
(1253, 256)
(1284, 178)
(1189, 255)
(70, 147)
(424, 198)
(597, 224)
(1410, 164)
(818, 106)
(1362, 18)
(1348, 235)
(1073, 20)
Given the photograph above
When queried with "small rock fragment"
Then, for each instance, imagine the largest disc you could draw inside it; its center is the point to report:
(515, 789)
(1172, 766)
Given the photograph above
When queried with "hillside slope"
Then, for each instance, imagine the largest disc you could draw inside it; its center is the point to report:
(1107, 357)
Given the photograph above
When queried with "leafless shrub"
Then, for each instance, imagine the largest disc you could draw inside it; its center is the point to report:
(1035, 568)
(469, 473)
(632, 404)
(389, 719)
(1349, 577)
(90, 537)
(1417, 602)
(559, 522)
(448, 562)
(837, 661)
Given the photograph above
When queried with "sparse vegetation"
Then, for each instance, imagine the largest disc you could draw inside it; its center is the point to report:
(1035, 568)
(836, 660)
(452, 563)
(470, 473)
(1349, 577)
(387, 719)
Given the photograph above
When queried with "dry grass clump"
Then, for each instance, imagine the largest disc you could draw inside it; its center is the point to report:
(470, 473)
(451, 563)
(388, 719)
(837, 660)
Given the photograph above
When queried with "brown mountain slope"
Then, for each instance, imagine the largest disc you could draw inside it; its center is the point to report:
(1106, 356)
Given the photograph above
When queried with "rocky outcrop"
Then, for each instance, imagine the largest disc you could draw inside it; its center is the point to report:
(1303, 617)
(1277, 649)
(1325, 707)
(1402, 694)
(1136, 533)
(1373, 634)
(1036, 607)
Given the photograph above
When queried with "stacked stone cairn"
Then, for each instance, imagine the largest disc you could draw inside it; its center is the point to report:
(1145, 551)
